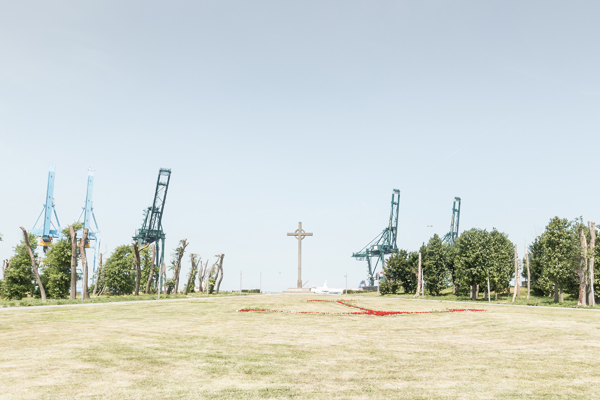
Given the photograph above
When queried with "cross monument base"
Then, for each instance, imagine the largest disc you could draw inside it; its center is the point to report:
(298, 291)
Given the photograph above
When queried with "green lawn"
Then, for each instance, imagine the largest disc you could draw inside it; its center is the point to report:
(30, 301)
(569, 300)
(203, 348)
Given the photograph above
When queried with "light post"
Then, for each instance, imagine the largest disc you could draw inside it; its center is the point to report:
(346, 276)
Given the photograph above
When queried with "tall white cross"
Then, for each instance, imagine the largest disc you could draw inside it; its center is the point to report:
(300, 234)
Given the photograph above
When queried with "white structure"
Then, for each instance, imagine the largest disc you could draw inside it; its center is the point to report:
(326, 290)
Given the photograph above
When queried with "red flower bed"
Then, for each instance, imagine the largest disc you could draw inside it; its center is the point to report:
(363, 311)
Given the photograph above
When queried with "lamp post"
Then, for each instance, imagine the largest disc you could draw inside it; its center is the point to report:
(346, 276)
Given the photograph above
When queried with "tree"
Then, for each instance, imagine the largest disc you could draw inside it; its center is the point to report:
(148, 272)
(560, 245)
(189, 287)
(541, 284)
(98, 275)
(582, 270)
(468, 258)
(119, 274)
(176, 263)
(73, 239)
(84, 264)
(19, 278)
(56, 269)
(435, 265)
(401, 271)
(499, 263)
(201, 274)
(151, 276)
(479, 255)
(220, 272)
(34, 264)
(591, 272)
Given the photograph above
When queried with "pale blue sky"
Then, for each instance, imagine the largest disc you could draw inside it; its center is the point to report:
(272, 112)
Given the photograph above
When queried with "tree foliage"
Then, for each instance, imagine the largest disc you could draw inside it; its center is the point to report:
(478, 254)
(554, 257)
(119, 273)
(18, 277)
(435, 265)
(400, 271)
(56, 270)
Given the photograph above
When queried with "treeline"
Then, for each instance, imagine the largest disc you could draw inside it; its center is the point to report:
(130, 269)
(560, 260)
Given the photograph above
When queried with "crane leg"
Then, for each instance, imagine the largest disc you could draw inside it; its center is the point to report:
(371, 278)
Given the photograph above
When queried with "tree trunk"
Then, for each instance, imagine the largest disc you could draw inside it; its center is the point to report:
(592, 251)
(221, 276)
(474, 291)
(516, 293)
(138, 267)
(418, 293)
(582, 270)
(147, 291)
(562, 298)
(34, 266)
(84, 264)
(200, 286)
(73, 235)
(203, 276)
(556, 293)
(184, 244)
(98, 275)
(192, 273)
(528, 272)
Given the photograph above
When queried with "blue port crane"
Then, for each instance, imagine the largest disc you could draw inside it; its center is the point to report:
(151, 230)
(48, 229)
(384, 243)
(88, 215)
(451, 236)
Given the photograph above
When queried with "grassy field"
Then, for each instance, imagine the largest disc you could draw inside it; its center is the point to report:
(569, 300)
(30, 301)
(203, 348)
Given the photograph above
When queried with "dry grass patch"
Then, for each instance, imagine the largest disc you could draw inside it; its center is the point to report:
(204, 348)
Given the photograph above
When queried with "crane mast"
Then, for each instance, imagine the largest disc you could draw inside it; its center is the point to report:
(151, 230)
(88, 215)
(384, 243)
(451, 236)
(48, 230)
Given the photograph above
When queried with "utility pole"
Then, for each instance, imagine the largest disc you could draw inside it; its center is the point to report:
(346, 282)
(240, 282)
(260, 287)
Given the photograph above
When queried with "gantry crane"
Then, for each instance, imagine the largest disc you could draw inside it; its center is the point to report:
(88, 214)
(451, 236)
(384, 243)
(48, 230)
(151, 230)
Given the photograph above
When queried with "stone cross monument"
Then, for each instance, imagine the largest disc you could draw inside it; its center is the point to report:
(300, 234)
